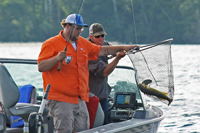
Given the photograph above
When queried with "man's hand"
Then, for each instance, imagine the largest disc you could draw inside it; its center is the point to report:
(129, 47)
(61, 56)
(121, 54)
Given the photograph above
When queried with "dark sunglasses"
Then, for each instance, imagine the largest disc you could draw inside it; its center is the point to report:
(99, 36)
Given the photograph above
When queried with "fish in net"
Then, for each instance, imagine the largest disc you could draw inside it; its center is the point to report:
(154, 70)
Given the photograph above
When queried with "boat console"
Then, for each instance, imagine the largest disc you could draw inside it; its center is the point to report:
(123, 107)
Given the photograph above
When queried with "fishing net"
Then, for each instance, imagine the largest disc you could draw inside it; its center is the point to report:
(154, 62)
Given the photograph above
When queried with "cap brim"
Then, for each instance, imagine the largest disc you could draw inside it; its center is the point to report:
(99, 33)
(84, 25)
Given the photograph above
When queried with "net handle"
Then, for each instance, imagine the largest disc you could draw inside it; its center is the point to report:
(141, 48)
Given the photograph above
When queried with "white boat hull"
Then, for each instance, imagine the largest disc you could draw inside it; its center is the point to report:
(134, 125)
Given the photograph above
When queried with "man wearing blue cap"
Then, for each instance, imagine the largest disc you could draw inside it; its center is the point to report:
(69, 87)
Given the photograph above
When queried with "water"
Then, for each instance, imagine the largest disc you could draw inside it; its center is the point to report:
(183, 114)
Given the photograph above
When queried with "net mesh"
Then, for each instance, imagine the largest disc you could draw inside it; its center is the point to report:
(154, 62)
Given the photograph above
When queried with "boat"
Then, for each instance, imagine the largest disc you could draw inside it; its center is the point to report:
(128, 108)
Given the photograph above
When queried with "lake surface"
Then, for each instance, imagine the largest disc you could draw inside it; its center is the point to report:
(183, 115)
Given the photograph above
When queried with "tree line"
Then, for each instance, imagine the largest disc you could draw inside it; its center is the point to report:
(125, 21)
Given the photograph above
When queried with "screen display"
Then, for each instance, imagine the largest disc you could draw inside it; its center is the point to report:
(123, 99)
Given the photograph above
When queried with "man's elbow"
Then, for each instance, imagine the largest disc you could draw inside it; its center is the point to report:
(101, 54)
(105, 74)
(40, 68)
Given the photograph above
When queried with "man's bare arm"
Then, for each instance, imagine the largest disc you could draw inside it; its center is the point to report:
(47, 64)
(110, 50)
(111, 66)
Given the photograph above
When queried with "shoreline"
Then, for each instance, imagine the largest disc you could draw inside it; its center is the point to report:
(21, 43)
(33, 43)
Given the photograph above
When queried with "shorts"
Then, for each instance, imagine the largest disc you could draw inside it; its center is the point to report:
(69, 117)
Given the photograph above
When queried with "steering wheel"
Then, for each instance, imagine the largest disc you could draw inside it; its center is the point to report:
(110, 102)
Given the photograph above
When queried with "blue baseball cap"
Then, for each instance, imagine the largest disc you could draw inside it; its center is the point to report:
(75, 19)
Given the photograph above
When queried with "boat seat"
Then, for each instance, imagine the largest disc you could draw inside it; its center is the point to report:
(99, 118)
(9, 96)
(95, 110)
(33, 97)
(28, 94)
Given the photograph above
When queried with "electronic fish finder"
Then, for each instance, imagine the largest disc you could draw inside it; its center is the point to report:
(124, 100)
(123, 106)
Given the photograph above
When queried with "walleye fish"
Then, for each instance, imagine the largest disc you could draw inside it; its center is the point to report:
(151, 91)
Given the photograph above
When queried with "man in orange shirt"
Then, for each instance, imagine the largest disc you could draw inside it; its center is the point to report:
(69, 87)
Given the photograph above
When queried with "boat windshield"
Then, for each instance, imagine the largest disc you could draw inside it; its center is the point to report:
(24, 74)
(123, 79)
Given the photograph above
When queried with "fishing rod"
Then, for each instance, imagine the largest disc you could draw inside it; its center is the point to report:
(152, 45)
(80, 6)
(35, 118)
(134, 22)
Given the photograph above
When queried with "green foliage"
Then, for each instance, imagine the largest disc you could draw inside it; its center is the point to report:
(147, 22)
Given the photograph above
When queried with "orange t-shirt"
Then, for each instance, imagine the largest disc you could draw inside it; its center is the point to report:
(72, 80)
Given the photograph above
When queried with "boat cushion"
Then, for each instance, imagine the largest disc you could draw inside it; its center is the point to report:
(92, 106)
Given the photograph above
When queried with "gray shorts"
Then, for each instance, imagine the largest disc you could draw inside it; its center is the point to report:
(69, 117)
